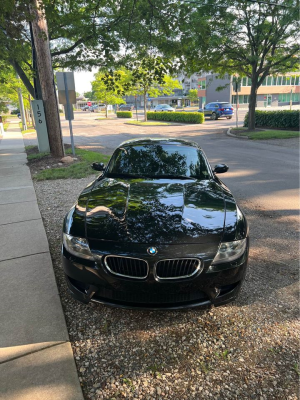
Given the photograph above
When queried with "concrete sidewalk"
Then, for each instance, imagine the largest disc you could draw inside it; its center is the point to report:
(36, 359)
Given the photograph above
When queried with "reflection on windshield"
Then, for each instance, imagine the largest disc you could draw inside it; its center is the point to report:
(156, 160)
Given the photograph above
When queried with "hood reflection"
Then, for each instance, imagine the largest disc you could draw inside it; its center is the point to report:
(155, 211)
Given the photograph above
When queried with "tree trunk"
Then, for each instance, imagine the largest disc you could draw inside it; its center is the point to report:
(145, 107)
(106, 110)
(44, 66)
(252, 103)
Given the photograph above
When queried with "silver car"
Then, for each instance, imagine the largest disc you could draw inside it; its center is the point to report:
(163, 107)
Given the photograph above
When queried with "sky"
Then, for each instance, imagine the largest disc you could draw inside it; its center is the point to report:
(83, 80)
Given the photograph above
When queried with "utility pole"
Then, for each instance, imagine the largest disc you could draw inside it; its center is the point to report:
(45, 73)
(22, 110)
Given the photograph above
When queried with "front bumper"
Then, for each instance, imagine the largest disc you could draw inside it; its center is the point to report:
(90, 281)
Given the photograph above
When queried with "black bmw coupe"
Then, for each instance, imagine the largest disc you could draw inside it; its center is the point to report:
(156, 230)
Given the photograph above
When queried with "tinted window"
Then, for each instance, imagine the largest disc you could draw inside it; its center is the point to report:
(158, 160)
(225, 105)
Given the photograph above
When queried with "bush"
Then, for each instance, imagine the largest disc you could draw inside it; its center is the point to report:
(124, 114)
(15, 112)
(284, 119)
(192, 118)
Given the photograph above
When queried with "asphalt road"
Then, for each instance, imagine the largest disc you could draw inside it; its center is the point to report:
(265, 174)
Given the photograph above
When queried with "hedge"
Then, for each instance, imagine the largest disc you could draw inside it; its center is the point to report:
(190, 117)
(285, 119)
(124, 114)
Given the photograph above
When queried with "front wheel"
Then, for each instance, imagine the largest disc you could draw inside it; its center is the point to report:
(214, 116)
(229, 117)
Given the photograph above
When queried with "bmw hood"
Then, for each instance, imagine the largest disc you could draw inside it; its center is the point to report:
(155, 211)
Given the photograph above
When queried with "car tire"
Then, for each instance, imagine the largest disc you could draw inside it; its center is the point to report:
(214, 116)
(229, 117)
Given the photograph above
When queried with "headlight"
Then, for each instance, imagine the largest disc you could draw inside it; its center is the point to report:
(77, 246)
(230, 251)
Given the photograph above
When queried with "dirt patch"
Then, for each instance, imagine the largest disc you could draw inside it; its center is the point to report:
(46, 161)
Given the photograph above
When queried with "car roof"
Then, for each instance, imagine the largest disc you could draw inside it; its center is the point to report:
(144, 141)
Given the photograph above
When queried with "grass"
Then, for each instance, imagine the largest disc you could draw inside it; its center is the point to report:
(148, 123)
(266, 134)
(29, 130)
(76, 170)
(5, 125)
(36, 156)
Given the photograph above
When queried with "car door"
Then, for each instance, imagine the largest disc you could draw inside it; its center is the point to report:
(207, 110)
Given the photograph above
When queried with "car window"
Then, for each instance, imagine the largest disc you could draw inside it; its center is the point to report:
(226, 105)
(157, 160)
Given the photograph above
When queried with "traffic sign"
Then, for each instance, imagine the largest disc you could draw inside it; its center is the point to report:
(89, 103)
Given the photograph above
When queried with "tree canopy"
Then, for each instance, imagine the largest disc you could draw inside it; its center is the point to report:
(253, 39)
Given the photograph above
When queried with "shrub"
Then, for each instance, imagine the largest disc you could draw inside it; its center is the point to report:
(189, 117)
(124, 114)
(15, 112)
(284, 119)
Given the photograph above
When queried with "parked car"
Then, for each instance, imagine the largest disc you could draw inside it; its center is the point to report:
(98, 107)
(86, 108)
(163, 107)
(156, 230)
(217, 110)
(126, 107)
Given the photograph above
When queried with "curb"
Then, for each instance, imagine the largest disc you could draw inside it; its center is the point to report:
(228, 133)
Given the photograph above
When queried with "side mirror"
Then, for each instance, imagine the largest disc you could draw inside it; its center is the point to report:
(98, 166)
(220, 168)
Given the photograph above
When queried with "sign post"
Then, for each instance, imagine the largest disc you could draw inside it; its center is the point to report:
(236, 84)
(67, 97)
(40, 125)
(136, 109)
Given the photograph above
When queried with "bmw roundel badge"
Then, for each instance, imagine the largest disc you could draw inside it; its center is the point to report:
(152, 251)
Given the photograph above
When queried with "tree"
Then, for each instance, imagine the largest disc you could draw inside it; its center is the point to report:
(106, 94)
(150, 76)
(193, 95)
(46, 77)
(9, 86)
(253, 39)
(81, 34)
(90, 95)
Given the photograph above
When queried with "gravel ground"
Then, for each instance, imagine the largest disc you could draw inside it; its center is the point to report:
(245, 350)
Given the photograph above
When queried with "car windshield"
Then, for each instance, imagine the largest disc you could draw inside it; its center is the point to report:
(158, 161)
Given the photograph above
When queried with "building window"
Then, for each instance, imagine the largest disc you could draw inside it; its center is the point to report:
(295, 97)
(269, 81)
(284, 80)
(274, 80)
(288, 80)
(202, 85)
(297, 80)
(279, 79)
(264, 82)
(244, 81)
(249, 81)
(243, 99)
